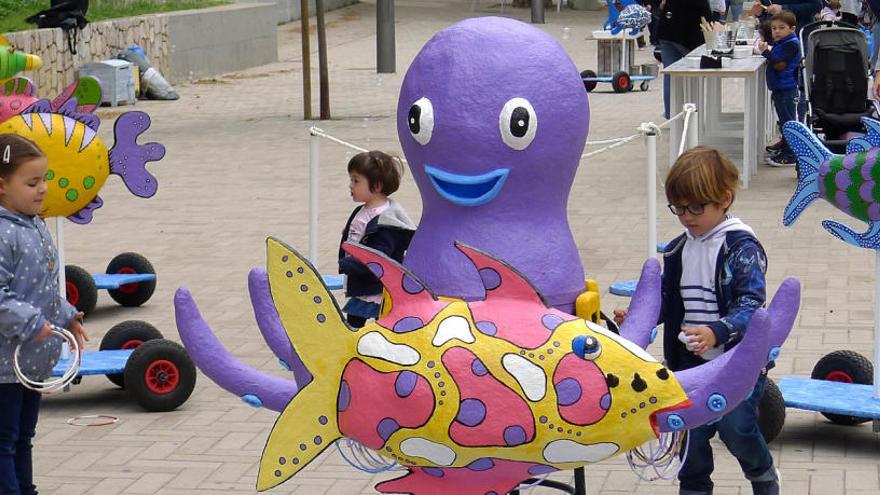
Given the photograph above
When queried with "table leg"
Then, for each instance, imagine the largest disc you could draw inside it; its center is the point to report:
(749, 124)
(676, 100)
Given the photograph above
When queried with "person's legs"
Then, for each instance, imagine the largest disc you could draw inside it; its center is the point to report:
(739, 431)
(11, 396)
(670, 52)
(784, 103)
(695, 475)
(24, 468)
(875, 34)
(736, 9)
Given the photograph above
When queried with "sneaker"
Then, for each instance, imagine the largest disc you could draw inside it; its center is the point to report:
(775, 147)
(773, 487)
(781, 161)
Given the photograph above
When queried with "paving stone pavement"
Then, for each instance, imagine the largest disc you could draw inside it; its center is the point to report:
(236, 171)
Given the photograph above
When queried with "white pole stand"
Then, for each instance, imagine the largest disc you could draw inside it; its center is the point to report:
(59, 243)
(314, 160)
(651, 146)
(692, 131)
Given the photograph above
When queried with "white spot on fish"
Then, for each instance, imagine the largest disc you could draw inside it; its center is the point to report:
(47, 121)
(453, 327)
(562, 451)
(631, 347)
(437, 453)
(529, 375)
(374, 344)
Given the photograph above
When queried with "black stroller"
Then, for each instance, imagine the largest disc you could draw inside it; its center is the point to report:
(835, 74)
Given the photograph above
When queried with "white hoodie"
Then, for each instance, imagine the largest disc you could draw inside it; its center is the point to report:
(698, 258)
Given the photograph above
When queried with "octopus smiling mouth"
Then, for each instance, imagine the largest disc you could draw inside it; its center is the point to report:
(467, 190)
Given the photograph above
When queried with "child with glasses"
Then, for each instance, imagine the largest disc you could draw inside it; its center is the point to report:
(713, 281)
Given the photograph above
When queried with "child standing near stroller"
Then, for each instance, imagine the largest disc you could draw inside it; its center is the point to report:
(783, 60)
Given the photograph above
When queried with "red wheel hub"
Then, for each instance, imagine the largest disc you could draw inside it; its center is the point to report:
(128, 288)
(131, 344)
(162, 376)
(623, 82)
(72, 293)
(839, 376)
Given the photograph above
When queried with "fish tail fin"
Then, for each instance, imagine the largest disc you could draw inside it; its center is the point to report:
(306, 427)
(308, 312)
(129, 159)
(811, 153)
(870, 140)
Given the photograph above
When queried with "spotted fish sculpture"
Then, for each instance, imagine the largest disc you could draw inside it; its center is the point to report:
(472, 397)
(631, 16)
(79, 161)
(849, 182)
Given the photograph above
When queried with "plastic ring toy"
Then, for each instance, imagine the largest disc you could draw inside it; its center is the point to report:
(50, 386)
(100, 420)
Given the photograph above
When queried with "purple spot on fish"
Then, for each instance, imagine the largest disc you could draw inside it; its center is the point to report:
(841, 200)
(322, 420)
(491, 278)
(408, 324)
(487, 327)
(482, 464)
(865, 191)
(376, 268)
(321, 318)
(411, 286)
(318, 440)
(543, 419)
(842, 180)
(405, 383)
(432, 471)
(551, 321)
(479, 368)
(605, 402)
(282, 460)
(344, 398)
(514, 435)
(541, 469)
(568, 391)
(277, 473)
(849, 161)
(386, 428)
(471, 412)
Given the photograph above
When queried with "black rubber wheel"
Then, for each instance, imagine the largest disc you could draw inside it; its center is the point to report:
(80, 287)
(621, 82)
(644, 85)
(127, 335)
(132, 294)
(845, 367)
(589, 85)
(160, 375)
(771, 411)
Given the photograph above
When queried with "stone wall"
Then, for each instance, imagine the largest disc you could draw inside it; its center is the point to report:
(289, 10)
(97, 41)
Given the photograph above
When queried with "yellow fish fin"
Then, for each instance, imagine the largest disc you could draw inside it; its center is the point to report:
(305, 428)
(310, 316)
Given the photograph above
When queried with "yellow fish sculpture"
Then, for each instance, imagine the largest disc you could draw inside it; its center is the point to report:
(13, 61)
(79, 161)
(459, 392)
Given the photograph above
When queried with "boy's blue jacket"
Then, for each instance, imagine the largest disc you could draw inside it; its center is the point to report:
(740, 289)
(390, 233)
(786, 50)
(29, 296)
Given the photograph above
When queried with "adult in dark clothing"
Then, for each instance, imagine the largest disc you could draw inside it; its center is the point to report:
(804, 10)
(680, 33)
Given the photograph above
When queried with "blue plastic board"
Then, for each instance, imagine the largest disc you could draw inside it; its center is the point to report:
(113, 281)
(607, 79)
(830, 397)
(333, 282)
(626, 288)
(97, 363)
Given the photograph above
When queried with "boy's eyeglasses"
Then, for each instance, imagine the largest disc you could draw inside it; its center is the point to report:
(695, 209)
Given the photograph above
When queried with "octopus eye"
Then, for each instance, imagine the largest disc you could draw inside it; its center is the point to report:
(518, 123)
(421, 120)
(587, 347)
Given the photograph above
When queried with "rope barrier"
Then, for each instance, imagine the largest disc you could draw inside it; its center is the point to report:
(689, 108)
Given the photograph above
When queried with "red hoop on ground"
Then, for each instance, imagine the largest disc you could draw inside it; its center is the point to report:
(92, 420)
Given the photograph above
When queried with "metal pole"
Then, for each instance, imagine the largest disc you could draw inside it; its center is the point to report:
(651, 145)
(59, 244)
(314, 159)
(385, 45)
(306, 59)
(537, 11)
(324, 82)
(693, 138)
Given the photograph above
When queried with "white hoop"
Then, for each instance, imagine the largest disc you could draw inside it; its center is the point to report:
(662, 459)
(104, 420)
(50, 386)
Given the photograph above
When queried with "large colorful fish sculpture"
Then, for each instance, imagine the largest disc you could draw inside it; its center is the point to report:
(79, 161)
(472, 397)
(849, 182)
(631, 16)
(19, 93)
(13, 61)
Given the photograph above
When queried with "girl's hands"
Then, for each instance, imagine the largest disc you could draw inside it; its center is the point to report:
(620, 315)
(45, 332)
(701, 339)
(78, 331)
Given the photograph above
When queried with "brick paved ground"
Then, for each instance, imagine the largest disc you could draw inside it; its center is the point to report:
(236, 171)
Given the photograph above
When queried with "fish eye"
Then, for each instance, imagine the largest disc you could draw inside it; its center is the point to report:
(587, 347)
(518, 123)
(421, 120)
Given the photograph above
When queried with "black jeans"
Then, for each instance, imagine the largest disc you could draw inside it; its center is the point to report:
(786, 109)
(18, 424)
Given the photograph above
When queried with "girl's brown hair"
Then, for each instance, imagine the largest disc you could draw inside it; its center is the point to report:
(379, 168)
(15, 150)
(701, 175)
